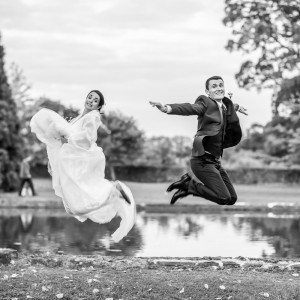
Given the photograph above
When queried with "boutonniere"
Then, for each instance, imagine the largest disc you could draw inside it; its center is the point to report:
(68, 119)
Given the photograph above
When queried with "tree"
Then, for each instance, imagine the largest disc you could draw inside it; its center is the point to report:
(30, 140)
(276, 139)
(294, 148)
(66, 112)
(288, 95)
(124, 144)
(19, 88)
(276, 142)
(294, 140)
(158, 152)
(269, 30)
(162, 151)
(255, 138)
(10, 141)
(182, 147)
(26, 106)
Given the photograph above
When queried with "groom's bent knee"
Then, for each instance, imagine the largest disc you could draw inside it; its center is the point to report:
(232, 200)
(224, 200)
(227, 200)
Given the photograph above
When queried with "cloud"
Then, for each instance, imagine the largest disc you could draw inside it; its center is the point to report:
(133, 50)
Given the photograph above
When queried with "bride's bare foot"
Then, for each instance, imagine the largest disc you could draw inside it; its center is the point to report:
(124, 195)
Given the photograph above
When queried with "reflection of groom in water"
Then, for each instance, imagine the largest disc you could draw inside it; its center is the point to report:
(218, 128)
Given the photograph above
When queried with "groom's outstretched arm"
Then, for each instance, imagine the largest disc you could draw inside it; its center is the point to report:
(182, 109)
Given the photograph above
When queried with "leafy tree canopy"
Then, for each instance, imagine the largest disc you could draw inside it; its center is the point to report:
(124, 143)
(10, 143)
(269, 31)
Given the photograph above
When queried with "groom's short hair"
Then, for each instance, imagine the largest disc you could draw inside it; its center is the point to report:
(212, 78)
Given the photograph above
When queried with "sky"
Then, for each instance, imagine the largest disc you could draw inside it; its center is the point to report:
(134, 51)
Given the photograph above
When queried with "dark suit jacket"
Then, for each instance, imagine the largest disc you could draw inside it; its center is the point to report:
(210, 121)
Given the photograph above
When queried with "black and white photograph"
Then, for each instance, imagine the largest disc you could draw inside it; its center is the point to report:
(150, 149)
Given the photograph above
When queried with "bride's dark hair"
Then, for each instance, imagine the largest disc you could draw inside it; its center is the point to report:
(101, 102)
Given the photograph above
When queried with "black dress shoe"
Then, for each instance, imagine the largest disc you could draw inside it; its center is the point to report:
(179, 194)
(180, 184)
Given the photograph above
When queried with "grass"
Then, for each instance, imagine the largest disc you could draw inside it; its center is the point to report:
(121, 280)
(154, 193)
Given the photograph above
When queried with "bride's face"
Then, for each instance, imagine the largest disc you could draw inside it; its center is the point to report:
(92, 101)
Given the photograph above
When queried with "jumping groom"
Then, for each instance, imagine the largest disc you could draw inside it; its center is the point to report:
(218, 128)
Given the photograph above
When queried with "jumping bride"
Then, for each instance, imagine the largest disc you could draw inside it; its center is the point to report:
(77, 167)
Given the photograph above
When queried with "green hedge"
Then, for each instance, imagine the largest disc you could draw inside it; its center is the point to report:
(154, 174)
(241, 176)
(253, 176)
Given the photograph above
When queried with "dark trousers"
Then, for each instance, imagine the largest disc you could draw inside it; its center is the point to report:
(217, 185)
(29, 181)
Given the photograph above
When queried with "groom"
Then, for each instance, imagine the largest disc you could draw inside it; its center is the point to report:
(218, 128)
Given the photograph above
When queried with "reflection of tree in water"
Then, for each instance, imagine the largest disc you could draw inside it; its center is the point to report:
(37, 232)
(282, 233)
(223, 219)
(163, 220)
(9, 231)
(89, 237)
(183, 224)
(66, 233)
(189, 227)
(220, 218)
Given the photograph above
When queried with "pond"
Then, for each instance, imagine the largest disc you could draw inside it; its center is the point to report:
(155, 234)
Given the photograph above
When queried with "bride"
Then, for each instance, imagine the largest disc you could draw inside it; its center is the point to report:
(77, 166)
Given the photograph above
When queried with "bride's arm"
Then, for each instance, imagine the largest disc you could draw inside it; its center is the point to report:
(104, 128)
(87, 135)
(63, 130)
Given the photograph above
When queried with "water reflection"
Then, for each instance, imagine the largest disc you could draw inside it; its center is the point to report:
(38, 230)
(154, 234)
(282, 233)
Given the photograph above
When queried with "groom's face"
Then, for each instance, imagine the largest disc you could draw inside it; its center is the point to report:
(216, 89)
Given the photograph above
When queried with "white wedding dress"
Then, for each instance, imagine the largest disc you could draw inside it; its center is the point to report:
(77, 170)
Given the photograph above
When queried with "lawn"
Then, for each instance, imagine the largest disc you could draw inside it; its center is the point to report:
(40, 278)
(154, 193)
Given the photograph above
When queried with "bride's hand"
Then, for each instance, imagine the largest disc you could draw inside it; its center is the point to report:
(108, 131)
(105, 128)
(63, 139)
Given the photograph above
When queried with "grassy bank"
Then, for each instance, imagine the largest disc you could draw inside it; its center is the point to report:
(66, 277)
(154, 193)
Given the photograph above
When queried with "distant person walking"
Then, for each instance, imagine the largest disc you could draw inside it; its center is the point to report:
(218, 128)
(25, 176)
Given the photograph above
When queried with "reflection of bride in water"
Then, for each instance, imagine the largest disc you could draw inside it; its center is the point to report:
(77, 167)
(88, 238)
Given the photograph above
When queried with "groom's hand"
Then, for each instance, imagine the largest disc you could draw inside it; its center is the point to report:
(240, 109)
(158, 105)
(243, 110)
